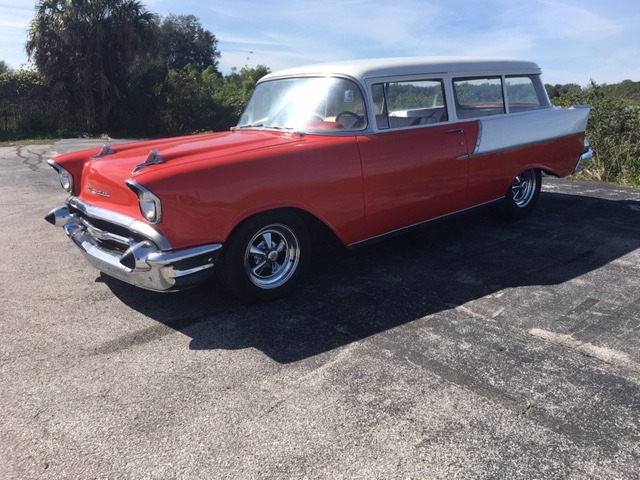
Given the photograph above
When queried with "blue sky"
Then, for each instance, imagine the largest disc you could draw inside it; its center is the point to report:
(572, 40)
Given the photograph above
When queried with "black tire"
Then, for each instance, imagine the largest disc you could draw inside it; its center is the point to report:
(523, 194)
(265, 257)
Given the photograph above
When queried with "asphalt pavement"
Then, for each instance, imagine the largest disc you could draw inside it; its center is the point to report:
(475, 348)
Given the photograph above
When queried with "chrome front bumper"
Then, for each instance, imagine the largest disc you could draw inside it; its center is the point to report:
(132, 251)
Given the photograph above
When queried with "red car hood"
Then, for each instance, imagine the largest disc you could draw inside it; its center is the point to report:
(211, 147)
(103, 178)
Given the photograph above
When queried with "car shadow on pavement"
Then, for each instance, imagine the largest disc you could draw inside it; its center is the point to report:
(351, 295)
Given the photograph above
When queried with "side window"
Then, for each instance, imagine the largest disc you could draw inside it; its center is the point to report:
(522, 94)
(407, 104)
(478, 97)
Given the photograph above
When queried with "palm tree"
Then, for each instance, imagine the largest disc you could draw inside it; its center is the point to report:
(85, 48)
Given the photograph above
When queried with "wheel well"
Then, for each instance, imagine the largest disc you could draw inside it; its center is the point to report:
(320, 233)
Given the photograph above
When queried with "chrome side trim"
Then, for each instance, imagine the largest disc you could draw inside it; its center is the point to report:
(121, 220)
(476, 149)
(402, 230)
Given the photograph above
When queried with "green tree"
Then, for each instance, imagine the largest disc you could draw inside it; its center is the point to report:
(204, 100)
(4, 68)
(554, 91)
(84, 49)
(153, 89)
(189, 104)
(237, 88)
(627, 89)
(184, 42)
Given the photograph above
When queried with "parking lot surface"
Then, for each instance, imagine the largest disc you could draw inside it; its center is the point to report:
(475, 348)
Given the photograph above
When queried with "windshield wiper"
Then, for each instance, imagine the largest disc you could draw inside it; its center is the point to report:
(250, 125)
(262, 125)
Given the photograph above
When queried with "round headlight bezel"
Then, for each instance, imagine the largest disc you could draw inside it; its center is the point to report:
(149, 204)
(65, 177)
(66, 180)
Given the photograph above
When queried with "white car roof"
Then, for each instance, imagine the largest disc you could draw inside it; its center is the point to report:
(397, 66)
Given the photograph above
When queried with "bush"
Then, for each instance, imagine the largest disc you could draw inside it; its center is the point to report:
(613, 131)
(28, 108)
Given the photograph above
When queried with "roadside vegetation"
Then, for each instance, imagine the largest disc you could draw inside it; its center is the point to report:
(112, 67)
(613, 129)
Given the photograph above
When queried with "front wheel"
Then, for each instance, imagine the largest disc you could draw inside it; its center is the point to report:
(523, 194)
(265, 257)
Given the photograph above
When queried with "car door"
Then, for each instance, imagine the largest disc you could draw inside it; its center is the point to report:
(415, 174)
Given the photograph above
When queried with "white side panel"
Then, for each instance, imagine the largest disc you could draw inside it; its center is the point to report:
(505, 131)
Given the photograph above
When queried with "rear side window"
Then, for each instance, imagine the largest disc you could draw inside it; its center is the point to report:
(524, 93)
(411, 103)
(478, 97)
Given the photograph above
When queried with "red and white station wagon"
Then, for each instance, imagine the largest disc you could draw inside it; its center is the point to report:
(363, 149)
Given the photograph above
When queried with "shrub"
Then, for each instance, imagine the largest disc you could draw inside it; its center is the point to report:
(613, 131)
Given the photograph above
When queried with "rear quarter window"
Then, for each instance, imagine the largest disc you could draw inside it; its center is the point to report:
(481, 97)
(478, 97)
(524, 93)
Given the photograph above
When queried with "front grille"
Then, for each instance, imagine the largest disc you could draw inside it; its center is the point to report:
(106, 235)
(108, 226)
(111, 246)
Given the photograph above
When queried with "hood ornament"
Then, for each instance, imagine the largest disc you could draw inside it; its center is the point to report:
(106, 150)
(152, 159)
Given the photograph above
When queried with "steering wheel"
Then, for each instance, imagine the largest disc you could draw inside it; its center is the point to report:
(357, 119)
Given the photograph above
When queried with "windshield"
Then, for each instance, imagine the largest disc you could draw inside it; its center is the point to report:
(306, 104)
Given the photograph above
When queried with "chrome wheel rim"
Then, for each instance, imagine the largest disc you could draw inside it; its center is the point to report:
(523, 188)
(272, 256)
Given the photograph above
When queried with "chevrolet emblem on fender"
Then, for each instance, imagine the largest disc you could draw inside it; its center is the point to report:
(98, 192)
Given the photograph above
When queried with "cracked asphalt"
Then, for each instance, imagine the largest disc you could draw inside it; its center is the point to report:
(475, 348)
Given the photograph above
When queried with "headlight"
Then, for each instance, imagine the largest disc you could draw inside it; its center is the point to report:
(150, 205)
(66, 180)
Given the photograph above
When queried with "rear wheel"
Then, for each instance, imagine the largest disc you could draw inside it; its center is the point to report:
(523, 194)
(265, 257)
